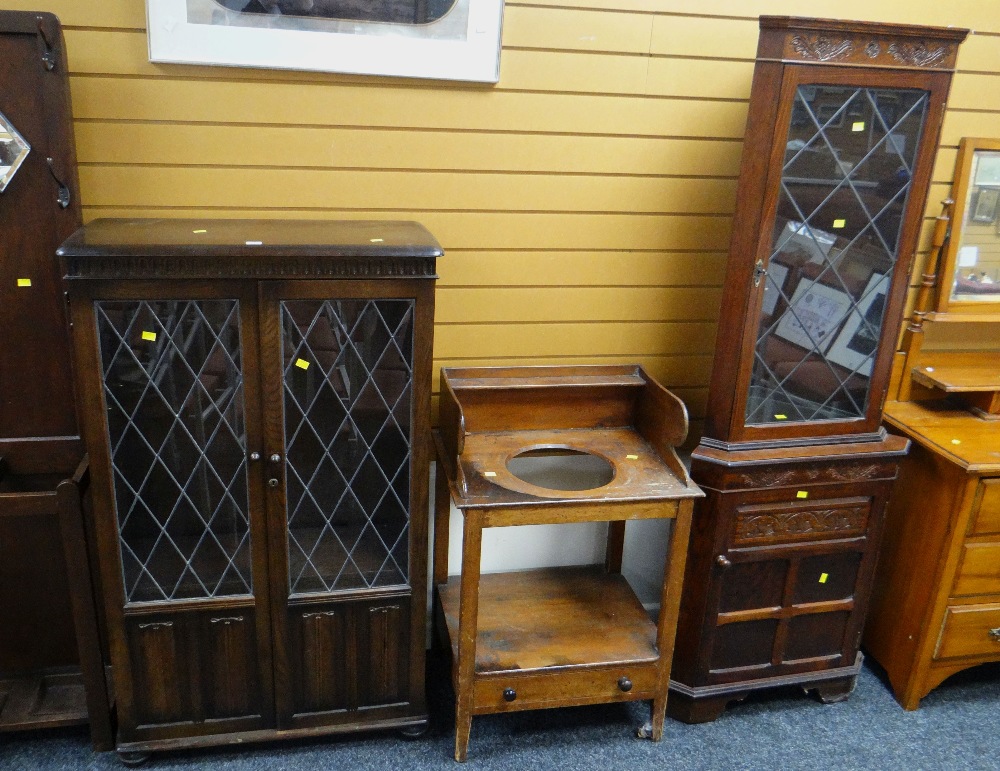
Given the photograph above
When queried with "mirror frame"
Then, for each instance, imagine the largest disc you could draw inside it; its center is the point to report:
(960, 194)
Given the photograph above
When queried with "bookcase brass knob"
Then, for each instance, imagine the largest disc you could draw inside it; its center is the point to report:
(723, 561)
(509, 694)
(994, 634)
(624, 684)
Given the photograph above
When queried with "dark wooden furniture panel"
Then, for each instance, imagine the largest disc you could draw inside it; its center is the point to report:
(795, 464)
(257, 397)
(52, 667)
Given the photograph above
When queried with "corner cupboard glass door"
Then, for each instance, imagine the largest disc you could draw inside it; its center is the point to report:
(849, 162)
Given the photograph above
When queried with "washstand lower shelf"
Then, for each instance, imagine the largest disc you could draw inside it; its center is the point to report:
(556, 637)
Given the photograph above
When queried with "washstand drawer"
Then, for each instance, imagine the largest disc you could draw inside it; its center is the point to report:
(986, 517)
(973, 630)
(979, 570)
(567, 687)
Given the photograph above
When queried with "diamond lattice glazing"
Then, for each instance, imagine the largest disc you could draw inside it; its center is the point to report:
(347, 375)
(845, 183)
(173, 388)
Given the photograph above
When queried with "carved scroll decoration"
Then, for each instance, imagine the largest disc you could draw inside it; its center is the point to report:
(795, 525)
(918, 54)
(822, 47)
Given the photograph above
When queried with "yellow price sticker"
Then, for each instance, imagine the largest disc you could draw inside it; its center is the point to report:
(24, 282)
(781, 417)
(302, 364)
(489, 473)
(151, 336)
(632, 457)
(858, 125)
(823, 577)
(802, 494)
(839, 224)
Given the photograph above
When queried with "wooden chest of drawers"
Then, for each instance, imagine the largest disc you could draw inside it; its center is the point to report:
(936, 604)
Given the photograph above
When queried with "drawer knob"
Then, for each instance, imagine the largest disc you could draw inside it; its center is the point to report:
(624, 684)
(509, 694)
(994, 634)
(723, 561)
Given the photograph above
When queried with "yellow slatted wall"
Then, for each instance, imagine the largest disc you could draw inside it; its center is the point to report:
(584, 202)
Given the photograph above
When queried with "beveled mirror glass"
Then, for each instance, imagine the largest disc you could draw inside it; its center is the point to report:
(13, 151)
(971, 273)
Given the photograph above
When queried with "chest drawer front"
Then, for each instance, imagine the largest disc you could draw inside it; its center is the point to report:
(979, 570)
(806, 520)
(986, 517)
(970, 631)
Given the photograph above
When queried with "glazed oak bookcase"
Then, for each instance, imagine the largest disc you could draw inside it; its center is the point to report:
(256, 397)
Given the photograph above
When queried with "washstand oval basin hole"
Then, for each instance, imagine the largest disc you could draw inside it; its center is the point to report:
(560, 468)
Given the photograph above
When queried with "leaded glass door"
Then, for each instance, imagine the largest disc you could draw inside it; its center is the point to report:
(345, 364)
(187, 516)
(826, 269)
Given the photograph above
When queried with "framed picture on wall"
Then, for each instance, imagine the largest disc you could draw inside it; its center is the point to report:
(438, 39)
(855, 346)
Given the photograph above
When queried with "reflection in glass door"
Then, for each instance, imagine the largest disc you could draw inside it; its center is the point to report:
(846, 179)
(173, 389)
(347, 371)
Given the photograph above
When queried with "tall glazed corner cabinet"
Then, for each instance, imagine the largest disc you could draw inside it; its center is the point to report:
(256, 399)
(841, 136)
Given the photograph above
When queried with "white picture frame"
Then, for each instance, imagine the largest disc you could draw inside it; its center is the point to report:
(855, 346)
(464, 44)
(814, 314)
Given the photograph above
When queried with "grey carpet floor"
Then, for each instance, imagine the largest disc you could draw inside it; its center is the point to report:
(957, 727)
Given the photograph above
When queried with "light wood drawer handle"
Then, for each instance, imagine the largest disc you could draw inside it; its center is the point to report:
(994, 634)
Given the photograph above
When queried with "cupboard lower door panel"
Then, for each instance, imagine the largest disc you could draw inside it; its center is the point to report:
(348, 657)
(199, 669)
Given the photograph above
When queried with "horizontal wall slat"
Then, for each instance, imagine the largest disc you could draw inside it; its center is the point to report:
(299, 104)
(102, 142)
(582, 30)
(501, 304)
(452, 341)
(606, 269)
(703, 79)
(960, 13)
(968, 123)
(296, 188)
(676, 35)
(123, 14)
